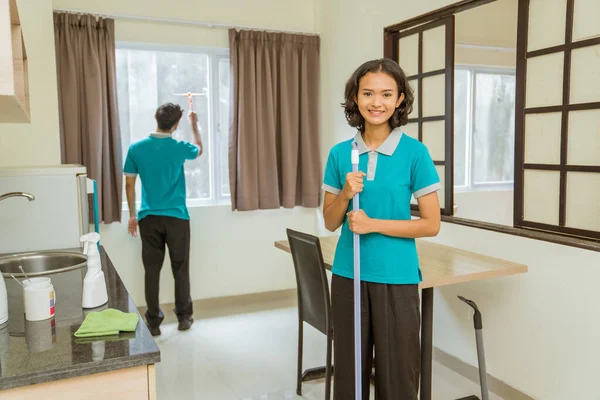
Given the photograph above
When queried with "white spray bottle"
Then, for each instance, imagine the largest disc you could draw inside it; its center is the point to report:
(94, 285)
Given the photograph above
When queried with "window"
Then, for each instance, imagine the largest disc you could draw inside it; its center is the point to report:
(557, 182)
(150, 75)
(555, 95)
(484, 128)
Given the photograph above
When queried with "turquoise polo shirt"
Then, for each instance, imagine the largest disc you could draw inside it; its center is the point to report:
(399, 169)
(158, 160)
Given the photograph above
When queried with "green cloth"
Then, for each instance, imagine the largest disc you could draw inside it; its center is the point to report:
(111, 338)
(107, 322)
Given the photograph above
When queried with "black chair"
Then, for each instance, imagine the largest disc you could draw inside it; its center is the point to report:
(314, 303)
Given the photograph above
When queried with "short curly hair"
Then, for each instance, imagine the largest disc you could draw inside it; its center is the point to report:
(390, 67)
(167, 115)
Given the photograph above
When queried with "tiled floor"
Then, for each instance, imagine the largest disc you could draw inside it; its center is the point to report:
(250, 354)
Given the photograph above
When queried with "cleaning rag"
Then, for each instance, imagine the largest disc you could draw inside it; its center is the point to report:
(107, 322)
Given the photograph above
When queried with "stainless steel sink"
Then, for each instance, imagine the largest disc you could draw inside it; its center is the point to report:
(41, 263)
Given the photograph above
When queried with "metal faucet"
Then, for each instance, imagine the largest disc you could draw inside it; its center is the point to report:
(28, 196)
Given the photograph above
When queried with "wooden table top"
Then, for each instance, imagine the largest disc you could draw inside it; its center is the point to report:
(440, 265)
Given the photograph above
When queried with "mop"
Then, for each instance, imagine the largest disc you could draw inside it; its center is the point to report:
(478, 323)
(357, 330)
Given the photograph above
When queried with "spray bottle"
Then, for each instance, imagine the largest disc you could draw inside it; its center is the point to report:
(94, 285)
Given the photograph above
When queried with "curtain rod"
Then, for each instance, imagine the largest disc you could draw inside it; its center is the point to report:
(175, 21)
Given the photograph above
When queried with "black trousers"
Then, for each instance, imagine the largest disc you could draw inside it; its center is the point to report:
(156, 232)
(390, 322)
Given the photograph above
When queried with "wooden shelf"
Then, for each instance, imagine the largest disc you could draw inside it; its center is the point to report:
(14, 80)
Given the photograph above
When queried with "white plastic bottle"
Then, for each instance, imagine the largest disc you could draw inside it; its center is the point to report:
(94, 285)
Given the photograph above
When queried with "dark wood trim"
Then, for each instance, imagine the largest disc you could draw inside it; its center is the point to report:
(584, 43)
(563, 47)
(564, 133)
(520, 82)
(530, 232)
(543, 110)
(426, 74)
(437, 14)
(391, 40)
(543, 167)
(428, 119)
(395, 54)
(390, 45)
(581, 233)
(546, 51)
(449, 120)
(565, 168)
(583, 168)
(420, 85)
(409, 32)
(563, 108)
(583, 106)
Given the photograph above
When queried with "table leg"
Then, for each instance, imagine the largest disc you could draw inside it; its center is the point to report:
(426, 342)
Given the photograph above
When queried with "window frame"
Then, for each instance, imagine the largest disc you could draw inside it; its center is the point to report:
(562, 238)
(523, 56)
(391, 50)
(471, 185)
(211, 139)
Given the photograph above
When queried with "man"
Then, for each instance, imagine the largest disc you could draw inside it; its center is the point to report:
(163, 217)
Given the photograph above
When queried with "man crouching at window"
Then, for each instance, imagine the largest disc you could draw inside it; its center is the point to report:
(163, 217)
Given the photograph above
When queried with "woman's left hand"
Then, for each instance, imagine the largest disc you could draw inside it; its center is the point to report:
(359, 222)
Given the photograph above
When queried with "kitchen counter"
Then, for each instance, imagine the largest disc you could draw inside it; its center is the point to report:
(48, 351)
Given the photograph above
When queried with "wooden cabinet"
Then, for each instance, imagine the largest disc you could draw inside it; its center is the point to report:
(14, 81)
(136, 383)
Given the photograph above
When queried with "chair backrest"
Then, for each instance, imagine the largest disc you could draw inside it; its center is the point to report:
(314, 304)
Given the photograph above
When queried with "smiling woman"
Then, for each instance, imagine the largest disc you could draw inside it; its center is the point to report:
(388, 83)
(378, 100)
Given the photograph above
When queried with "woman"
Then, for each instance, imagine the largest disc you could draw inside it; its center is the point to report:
(393, 167)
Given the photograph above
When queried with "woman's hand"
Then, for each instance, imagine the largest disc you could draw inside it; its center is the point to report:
(354, 184)
(359, 222)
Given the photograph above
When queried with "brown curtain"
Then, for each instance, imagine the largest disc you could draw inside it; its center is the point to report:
(274, 157)
(87, 98)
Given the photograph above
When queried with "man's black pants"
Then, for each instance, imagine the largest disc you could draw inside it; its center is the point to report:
(156, 232)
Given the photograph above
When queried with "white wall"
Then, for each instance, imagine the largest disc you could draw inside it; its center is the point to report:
(265, 14)
(231, 253)
(495, 206)
(492, 25)
(485, 57)
(539, 328)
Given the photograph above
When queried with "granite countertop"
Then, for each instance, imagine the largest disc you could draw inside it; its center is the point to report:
(44, 351)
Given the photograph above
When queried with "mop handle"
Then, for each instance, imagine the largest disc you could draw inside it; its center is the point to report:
(357, 325)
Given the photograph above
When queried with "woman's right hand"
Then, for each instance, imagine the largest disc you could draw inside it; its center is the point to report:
(354, 184)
